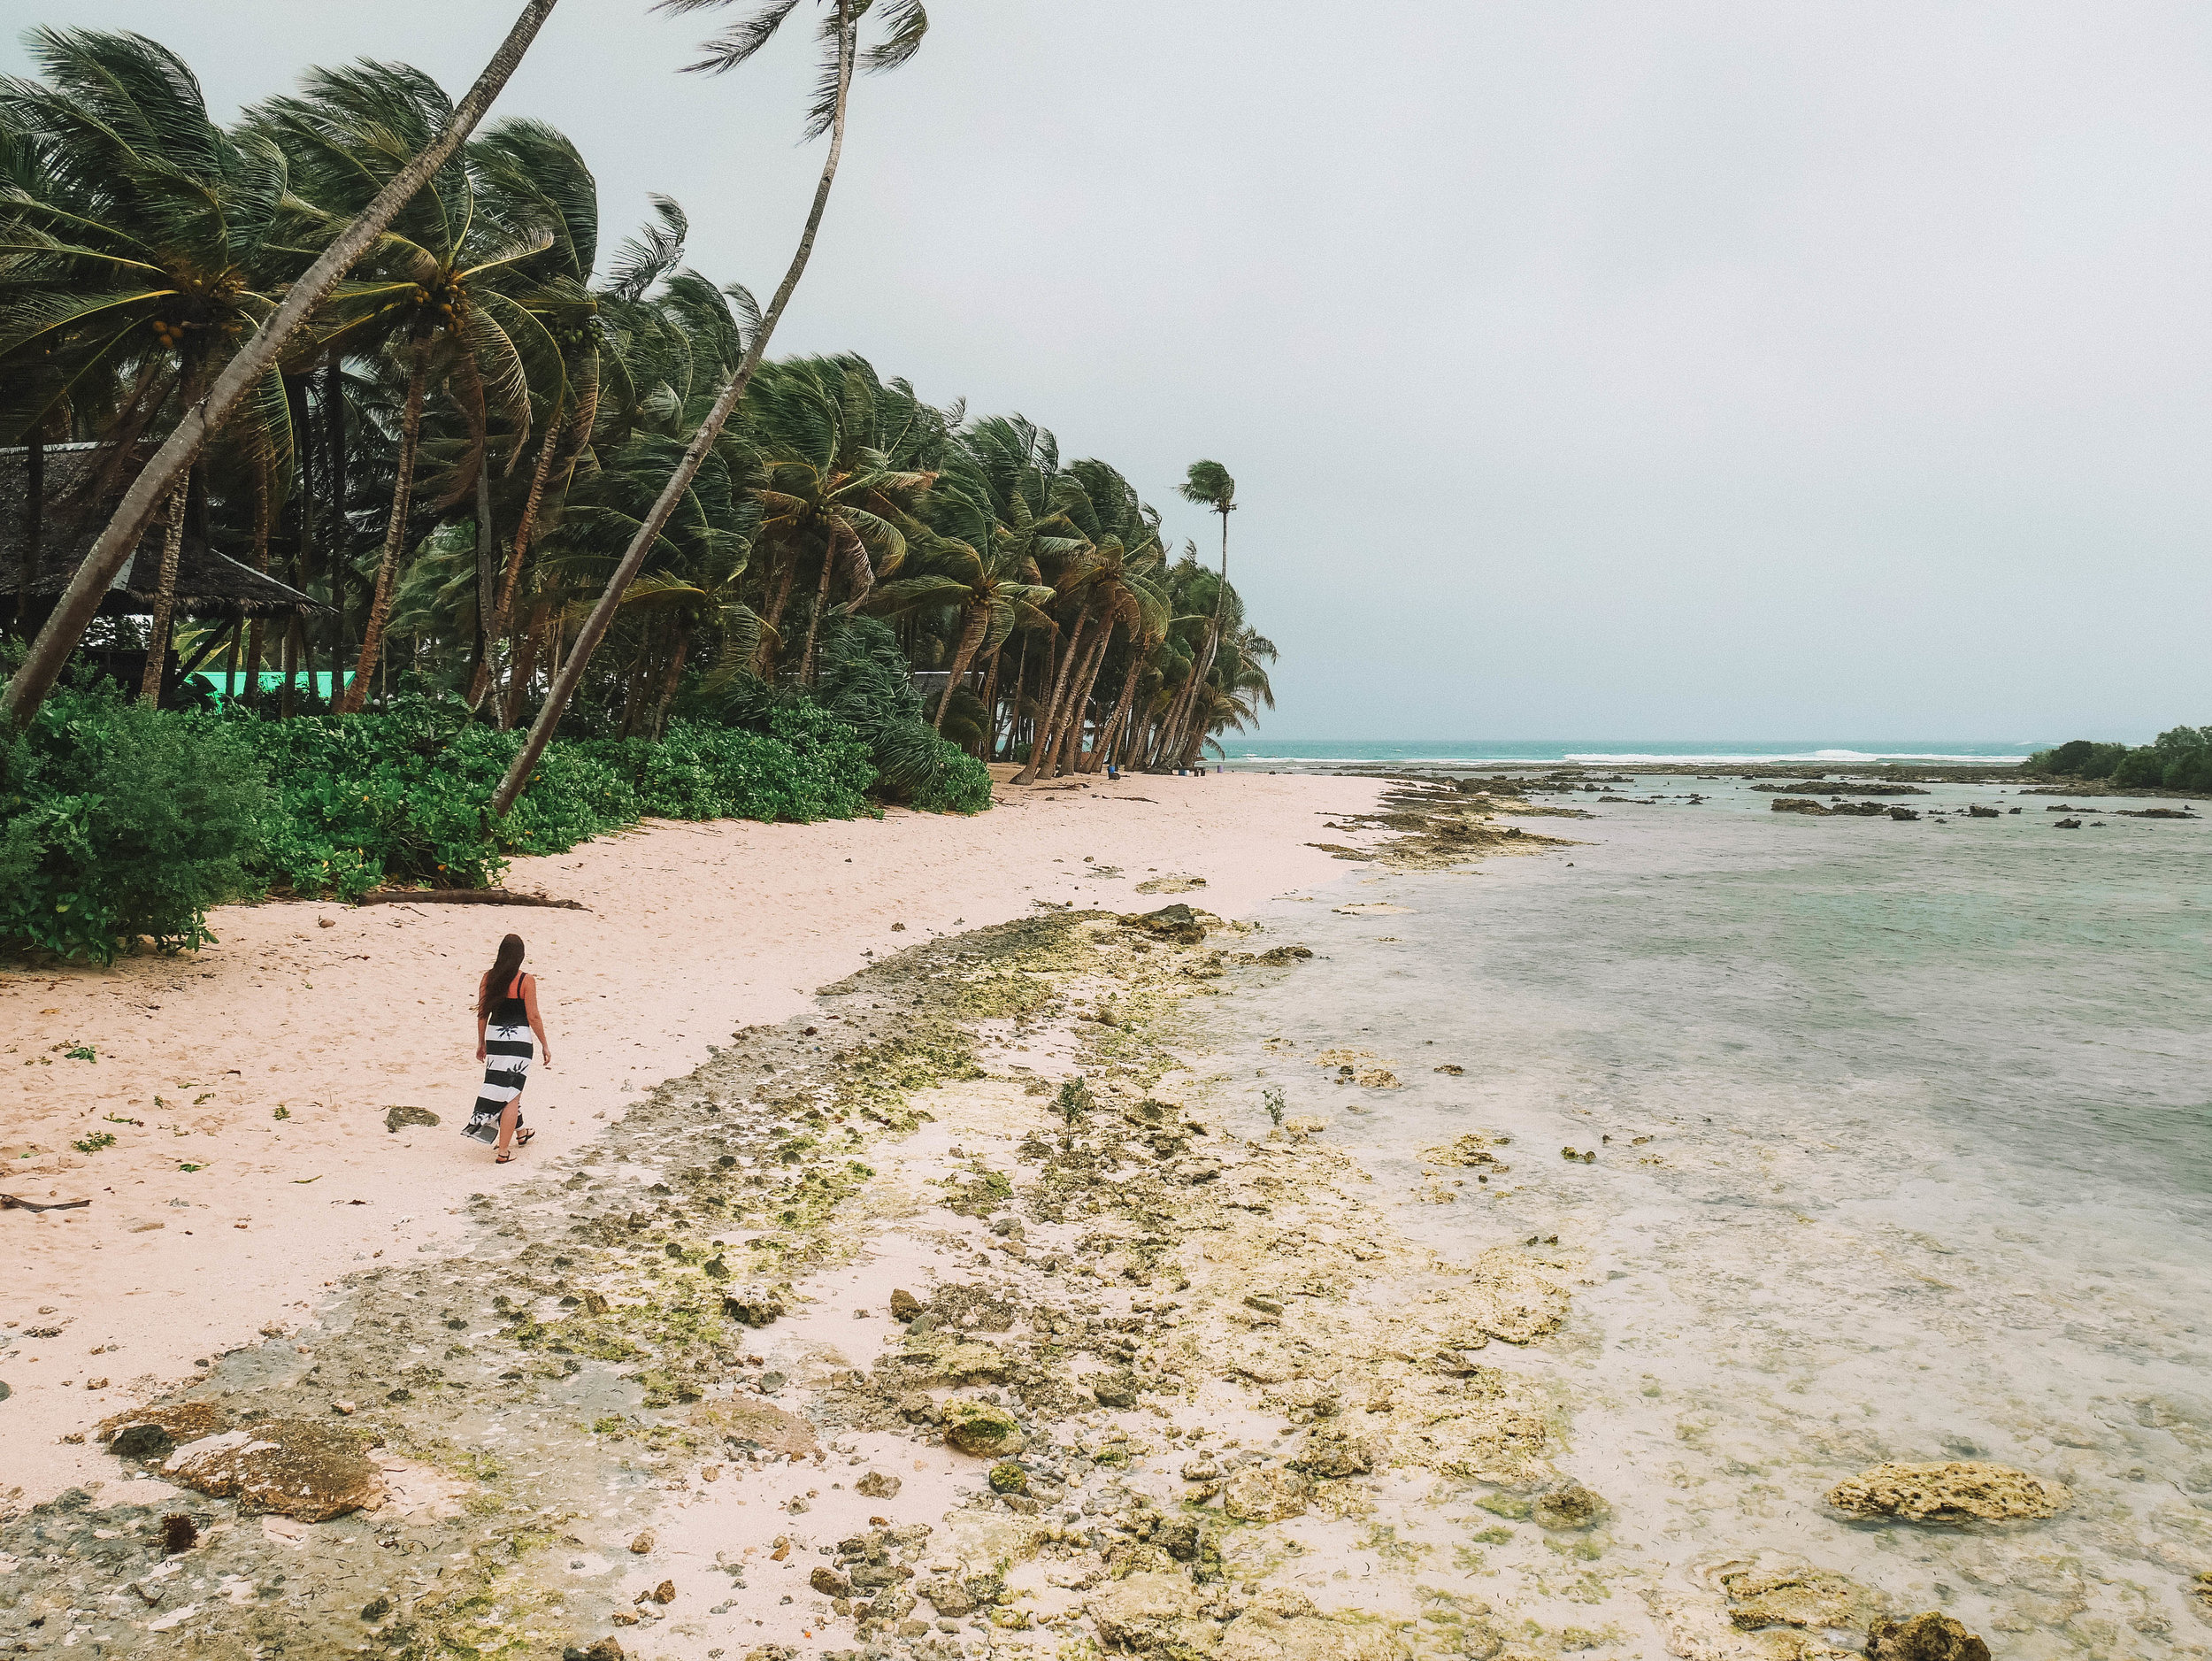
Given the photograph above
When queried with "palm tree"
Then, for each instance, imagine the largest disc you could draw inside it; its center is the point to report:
(135, 248)
(1207, 484)
(435, 294)
(837, 493)
(245, 374)
(992, 591)
(541, 183)
(907, 24)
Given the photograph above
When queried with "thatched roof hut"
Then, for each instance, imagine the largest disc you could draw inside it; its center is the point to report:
(210, 583)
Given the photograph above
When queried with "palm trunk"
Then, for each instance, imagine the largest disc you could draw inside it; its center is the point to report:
(633, 693)
(165, 600)
(334, 487)
(230, 665)
(487, 578)
(260, 564)
(1042, 742)
(675, 675)
(989, 745)
(395, 533)
(1071, 738)
(595, 625)
(814, 622)
(970, 637)
(1106, 739)
(525, 527)
(287, 700)
(201, 419)
(525, 664)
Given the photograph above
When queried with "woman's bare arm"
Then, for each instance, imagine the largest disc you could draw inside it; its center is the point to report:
(537, 1022)
(481, 1016)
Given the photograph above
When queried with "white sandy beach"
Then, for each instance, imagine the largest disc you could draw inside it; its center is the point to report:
(247, 1087)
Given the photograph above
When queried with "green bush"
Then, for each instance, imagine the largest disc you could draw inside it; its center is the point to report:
(2079, 759)
(866, 683)
(806, 767)
(117, 823)
(2180, 759)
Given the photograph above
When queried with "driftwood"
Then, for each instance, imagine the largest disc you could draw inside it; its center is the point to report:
(8, 1201)
(464, 897)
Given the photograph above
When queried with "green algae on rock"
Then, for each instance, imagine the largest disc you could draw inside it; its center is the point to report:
(984, 1430)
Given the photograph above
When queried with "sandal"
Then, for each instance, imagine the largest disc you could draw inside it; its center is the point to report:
(522, 1138)
(504, 1155)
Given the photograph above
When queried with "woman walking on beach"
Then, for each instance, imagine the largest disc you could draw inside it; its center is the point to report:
(506, 1016)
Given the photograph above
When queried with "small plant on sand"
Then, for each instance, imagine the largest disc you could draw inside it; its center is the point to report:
(282, 1112)
(81, 1052)
(1076, 1100)
(1273, 1097)
(96, 1141)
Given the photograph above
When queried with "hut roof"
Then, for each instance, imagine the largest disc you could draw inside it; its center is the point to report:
(210, 583)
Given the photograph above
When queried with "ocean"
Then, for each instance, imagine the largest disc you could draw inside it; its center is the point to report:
(1326, 754)
(1903, 1151)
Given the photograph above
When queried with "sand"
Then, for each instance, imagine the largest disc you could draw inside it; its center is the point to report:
(247, 1087)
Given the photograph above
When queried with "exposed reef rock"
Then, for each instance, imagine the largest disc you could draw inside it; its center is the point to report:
(1774, 1590)
(1929, 1637)
(1959, 1491)
(295, 1466)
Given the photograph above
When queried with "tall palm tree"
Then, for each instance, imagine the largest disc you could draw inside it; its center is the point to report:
(1207, 484)
(907, 23)
(438, 291)
(837, 493)
(242, 375)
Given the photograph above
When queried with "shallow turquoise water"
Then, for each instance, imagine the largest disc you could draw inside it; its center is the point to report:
(1932, 1106)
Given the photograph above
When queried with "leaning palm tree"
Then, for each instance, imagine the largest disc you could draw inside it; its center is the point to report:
(246, 370)
(135, 245)
(837, 493)
(435, 294)
(991, 590)
(907, 22)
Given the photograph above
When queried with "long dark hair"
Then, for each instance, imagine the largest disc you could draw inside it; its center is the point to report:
(502, 974)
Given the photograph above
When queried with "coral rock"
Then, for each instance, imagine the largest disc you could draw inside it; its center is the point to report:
(1956, 1492)
(877, 1485)
(1508, 1299)
(987, 1432)
(1929, 1637)
(1145, 1614)
(152, 1434)
(1259, 1494)
(1334, 1450)
(299, 1467)
(1778, 1591)
(1573, 1506)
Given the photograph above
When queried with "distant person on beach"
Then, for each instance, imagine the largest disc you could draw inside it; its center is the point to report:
(506, 1016)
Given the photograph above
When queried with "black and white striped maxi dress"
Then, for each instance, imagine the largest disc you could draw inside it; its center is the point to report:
(508, 1052)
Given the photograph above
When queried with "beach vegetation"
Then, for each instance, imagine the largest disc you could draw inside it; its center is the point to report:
(120, 822)
(504, 477)
(2179, 758)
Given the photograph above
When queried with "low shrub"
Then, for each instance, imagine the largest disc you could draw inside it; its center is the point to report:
(117, 823)
(2180, 759)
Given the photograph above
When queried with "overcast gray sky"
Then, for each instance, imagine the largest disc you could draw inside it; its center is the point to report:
(1660, 371)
